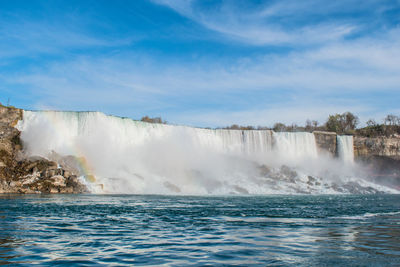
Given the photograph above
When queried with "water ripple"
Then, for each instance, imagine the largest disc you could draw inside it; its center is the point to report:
(164, 230)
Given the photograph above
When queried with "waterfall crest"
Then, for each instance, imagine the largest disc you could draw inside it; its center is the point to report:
(127, 156)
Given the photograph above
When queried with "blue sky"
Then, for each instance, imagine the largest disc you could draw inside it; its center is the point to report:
(203, 63)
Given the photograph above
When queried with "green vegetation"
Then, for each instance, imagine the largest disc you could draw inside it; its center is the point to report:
(342, 123)
(345, 123)
(239, 127)
(7, 105)
(389, 127)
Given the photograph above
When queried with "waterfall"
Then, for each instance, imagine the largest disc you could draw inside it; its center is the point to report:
(296, 144)
(128, 156)
(345, 148)
(257, 141)
(119, 149)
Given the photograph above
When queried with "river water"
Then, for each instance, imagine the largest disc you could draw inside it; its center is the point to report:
(310, 230)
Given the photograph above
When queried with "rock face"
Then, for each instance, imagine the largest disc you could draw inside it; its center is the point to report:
(326, 142)
(363, 146)
(382, 169)
(9, 136)
(381, 156)
(29, 175)
(380, 146)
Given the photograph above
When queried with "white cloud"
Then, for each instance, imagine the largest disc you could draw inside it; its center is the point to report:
(260, 26)
(209, 91)
(313, 82)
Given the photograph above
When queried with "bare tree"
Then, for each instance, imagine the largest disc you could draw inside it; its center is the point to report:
(371, 123)
(392, 120)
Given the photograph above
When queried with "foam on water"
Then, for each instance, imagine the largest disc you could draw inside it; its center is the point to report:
(128, 156)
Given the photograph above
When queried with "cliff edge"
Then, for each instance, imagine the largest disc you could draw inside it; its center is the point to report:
(381, 157)
(20, 174)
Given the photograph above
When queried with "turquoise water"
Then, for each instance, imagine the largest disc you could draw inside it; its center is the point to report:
(182, 230)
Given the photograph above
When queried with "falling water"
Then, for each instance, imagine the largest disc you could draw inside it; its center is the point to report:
(345, 148)
(127, 156)
(296, 144)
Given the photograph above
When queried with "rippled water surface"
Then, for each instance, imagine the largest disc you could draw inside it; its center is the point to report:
(183, 230)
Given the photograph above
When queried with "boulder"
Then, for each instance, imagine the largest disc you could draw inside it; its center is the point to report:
(30, 175)
(53, 190)
(58, 180)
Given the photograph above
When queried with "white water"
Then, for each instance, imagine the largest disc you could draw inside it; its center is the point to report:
(128, 156)
(345, 148)
(296, 145)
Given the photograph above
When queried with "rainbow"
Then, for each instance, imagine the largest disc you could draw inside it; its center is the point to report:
(84, 166)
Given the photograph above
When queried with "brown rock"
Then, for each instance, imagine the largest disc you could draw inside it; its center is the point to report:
(326, 142)
(67, 174)
(54, 191)
(58, 180)
(67, 190)
(19, 174)
(379, 146)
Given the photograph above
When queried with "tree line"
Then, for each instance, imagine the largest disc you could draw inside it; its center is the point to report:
(345, 123)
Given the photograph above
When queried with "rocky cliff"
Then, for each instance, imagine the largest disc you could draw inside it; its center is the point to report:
(326, 142)
(381, 156)
(363, 146)
(20, 174)
(380, 146)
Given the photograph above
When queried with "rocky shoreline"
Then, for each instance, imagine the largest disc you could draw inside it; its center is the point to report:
(30, 175)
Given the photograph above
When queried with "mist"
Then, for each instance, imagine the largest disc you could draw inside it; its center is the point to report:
(132, 157)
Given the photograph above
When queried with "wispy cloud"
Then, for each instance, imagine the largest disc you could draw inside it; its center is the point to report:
(286, 61)
(322, 79)
(277, 22)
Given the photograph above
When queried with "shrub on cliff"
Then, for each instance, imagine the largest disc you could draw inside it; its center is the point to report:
(279, 127)
(342, 123)
(389, 127)
(311, 125)
(153, 120)
(238, 127)
(371, 131)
